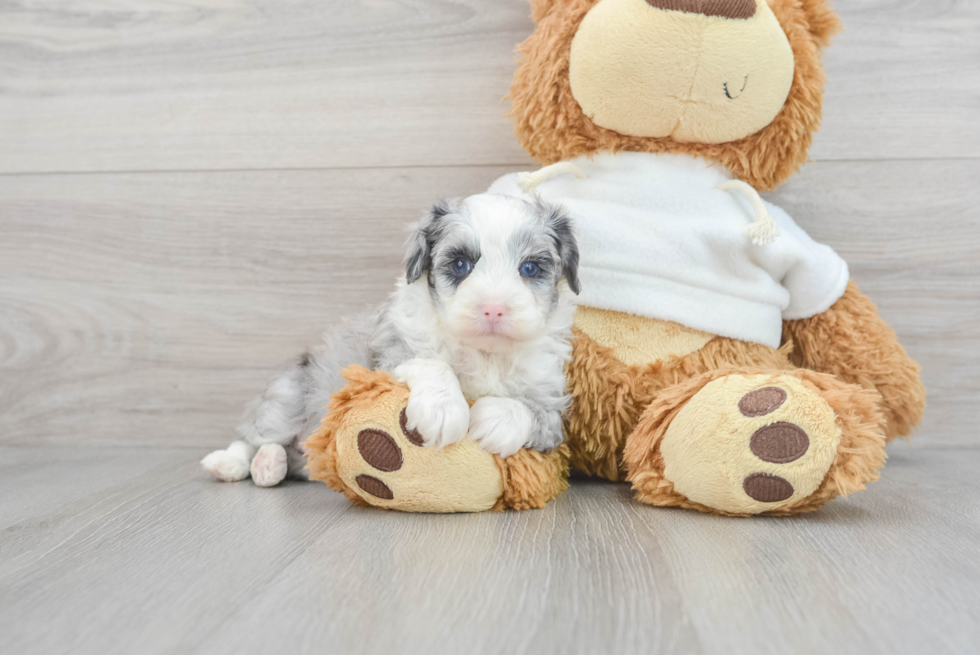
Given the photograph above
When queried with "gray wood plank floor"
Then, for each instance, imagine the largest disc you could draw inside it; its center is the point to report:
(133, 550)
(190, 192)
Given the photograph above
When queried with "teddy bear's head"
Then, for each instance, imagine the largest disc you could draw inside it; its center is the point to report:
(735, 81)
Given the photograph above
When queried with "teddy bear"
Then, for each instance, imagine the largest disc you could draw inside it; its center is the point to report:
(722, 360)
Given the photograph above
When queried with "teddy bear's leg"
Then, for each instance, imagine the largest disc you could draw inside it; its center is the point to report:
(850, 340)
(365, 450)
(753, 441)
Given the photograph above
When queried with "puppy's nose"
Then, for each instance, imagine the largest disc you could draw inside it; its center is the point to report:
(494, 310)
(724, 8)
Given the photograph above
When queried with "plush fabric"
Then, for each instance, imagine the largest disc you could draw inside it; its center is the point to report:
(860, 452)
(707, 447)
(854, 343)
(551, 125)
(458, 478)
(658, 239)
(531, 478)
(822, 20)
(608, 396)
(693, 77)
(636, 339)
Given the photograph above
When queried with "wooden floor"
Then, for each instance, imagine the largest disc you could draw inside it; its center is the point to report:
(190, 192)
(131, 550)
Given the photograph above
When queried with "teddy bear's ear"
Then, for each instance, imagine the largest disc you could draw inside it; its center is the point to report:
(824, 21)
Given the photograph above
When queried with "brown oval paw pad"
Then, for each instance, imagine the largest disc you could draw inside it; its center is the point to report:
(779, 443)
(411, 435)
(374, 486)
(761, 401)
(379, 450)
(767, 488)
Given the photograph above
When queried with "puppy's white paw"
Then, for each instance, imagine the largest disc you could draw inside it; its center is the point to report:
(269, 465)
(500, 425)
(226, 466)
(440, 415)
(436, 406)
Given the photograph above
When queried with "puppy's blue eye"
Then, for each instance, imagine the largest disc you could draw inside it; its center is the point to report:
(462, 266)
(530, 269)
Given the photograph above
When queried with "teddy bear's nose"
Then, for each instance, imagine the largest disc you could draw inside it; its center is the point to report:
(725, 8)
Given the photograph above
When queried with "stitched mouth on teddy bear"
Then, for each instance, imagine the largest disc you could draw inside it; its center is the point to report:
(728, 92)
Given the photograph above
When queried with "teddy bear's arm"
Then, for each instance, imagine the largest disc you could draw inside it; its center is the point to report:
(853, 343)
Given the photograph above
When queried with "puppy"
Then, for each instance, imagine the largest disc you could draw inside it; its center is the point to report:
(484, 311)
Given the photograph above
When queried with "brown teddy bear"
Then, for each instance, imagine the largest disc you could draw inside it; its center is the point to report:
(723, 361)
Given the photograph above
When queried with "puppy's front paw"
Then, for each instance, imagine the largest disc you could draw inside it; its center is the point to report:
(436, 406)
(440, 415)
(500, 425)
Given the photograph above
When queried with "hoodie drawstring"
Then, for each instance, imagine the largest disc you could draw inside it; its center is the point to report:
(764, 229)
(528, 182)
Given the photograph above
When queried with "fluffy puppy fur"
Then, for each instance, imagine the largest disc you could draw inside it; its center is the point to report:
(484, 312)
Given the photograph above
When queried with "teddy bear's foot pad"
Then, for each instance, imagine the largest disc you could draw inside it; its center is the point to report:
(380, 451)
(374, 486)
(751, 443)
(365, 450)
(385, 463)
(778, 443)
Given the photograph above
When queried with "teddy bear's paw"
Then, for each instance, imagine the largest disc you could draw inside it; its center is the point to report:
(748, 444)
(269, 465)
(365, 450)
(385, 463)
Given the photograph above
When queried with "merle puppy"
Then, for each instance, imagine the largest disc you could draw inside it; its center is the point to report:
(484, 312)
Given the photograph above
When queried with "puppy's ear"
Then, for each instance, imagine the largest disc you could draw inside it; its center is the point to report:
(418, 254)
(564, 235)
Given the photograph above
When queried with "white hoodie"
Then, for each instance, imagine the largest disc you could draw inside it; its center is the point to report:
(658, 239)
